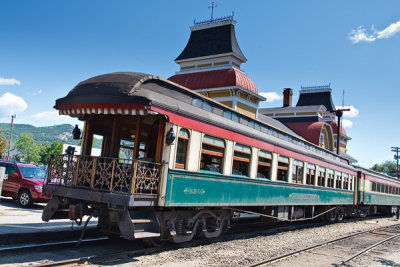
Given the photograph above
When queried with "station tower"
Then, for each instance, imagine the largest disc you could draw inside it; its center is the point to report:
(210, 65)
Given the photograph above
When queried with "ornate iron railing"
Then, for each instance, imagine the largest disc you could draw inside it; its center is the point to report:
(104, 174)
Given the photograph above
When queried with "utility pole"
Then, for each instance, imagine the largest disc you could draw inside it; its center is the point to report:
(9, 144)
(396, 150)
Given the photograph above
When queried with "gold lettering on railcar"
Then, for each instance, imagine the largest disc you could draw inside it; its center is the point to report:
(303, 196)
(194, 191)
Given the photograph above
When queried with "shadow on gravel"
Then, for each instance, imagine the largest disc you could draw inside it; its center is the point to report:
(387, 262)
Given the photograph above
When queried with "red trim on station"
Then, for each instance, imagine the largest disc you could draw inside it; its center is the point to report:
(215, 79)
(243, 139)
(99, 105)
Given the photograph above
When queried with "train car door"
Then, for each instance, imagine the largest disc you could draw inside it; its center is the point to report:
(359, 188)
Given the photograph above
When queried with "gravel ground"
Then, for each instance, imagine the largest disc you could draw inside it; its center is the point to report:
(249, 248)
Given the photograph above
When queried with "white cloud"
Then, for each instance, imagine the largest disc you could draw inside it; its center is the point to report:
(347, 123)
(11, 104)
(360, 34)
(389, 31)
(9, 81)
(350, 114)
(47, 118)
(271, 96)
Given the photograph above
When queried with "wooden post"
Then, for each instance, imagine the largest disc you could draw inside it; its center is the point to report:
(133, 181)
(137, 139)
(113, 149)
(87, 142)
(112, 175)
(77, 170)
(93, 172)
(160, 139)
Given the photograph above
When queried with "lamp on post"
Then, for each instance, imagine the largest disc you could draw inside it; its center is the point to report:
(76, 133)
(170, 137)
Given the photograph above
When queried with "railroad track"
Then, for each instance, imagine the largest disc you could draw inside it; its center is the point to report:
(248, 227)
(364, 241)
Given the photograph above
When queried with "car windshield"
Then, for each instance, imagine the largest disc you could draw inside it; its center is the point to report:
(29, 172)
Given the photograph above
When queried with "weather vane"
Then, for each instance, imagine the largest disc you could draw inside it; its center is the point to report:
(212, 6)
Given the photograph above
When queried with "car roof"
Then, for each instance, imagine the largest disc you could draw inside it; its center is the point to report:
(20, 164)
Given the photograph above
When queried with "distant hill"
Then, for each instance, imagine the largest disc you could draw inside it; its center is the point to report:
(62, 133)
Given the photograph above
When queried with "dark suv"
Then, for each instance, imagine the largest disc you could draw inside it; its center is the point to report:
(24, 183)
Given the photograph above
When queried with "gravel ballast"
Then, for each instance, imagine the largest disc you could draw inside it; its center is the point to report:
(248, 248)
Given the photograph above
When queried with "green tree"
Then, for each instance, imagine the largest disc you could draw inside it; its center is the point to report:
(28, 150)
(3, 144)
(388, 167)
(45, 150)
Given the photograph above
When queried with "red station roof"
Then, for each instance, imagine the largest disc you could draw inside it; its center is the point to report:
(312, 130)
(215, 79)
(308, 130)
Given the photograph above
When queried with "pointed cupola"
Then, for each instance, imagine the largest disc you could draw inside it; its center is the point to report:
(210, 65)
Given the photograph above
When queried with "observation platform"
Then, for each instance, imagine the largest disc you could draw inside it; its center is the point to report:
(21, 224)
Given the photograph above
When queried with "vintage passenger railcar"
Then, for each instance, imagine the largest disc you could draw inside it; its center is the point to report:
(175, 164)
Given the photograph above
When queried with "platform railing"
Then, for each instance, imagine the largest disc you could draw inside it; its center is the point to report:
(104, 174)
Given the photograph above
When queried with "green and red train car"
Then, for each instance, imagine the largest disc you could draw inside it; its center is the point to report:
(175, 164)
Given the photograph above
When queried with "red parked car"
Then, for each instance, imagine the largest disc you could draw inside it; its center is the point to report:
(24, 182)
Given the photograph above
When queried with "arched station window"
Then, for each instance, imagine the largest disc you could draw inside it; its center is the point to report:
(212, 154)
(182, 149)
(297, 172)
(331, 178)
(283, 168)
(310, 177)
(241, 160)
(321, 176)
(264, 164)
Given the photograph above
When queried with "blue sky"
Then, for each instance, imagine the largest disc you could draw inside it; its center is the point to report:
(47, 47)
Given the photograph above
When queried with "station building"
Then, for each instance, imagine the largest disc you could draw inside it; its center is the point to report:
(210, 64)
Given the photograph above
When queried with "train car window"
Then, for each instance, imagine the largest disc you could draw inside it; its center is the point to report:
(196, 103)
(310, 176)
(241, 160)
(378, 187)
(283, 167)
(338, 180)
(251, 124)
(386, 189)
(227, 114)
(297, 172)
(235, 117)
(331, 178)
(321, 176)
(373, 186)
(206, 106)
(264, 164)
(212, 153)
(257, 126)
(181, 151)
(350, 183)
(345, 181)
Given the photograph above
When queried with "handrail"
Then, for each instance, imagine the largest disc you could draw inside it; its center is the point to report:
(122, 176)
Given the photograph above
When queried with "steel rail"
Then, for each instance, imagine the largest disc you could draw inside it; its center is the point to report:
(95, 258)
(286, 255)
(367, 249)
(51, 244)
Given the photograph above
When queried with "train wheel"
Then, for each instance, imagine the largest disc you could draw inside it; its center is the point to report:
(331, 216)
(340, 214)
